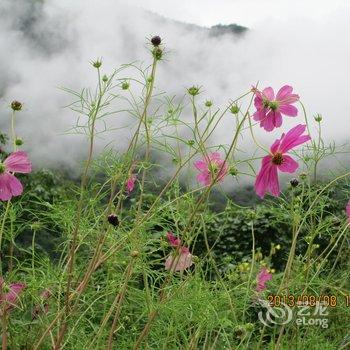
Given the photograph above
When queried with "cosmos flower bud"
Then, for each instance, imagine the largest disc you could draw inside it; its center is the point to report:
(105, 78)
(193, 90)
(258, 256)
(251, 214)
(234, 109)
(208, 103)
(36, 225)
(318, 118)
(125, 85)
(156, 40)
(97, 63)
(249, 327)
(16, 106)
(130, 183)
(19, 142)
(244, 267)
(240, 332)
(113, 220)
(134, 253)
(157, 53)
(294, 182)
(303, 176)
(233, 171)
(191, 142)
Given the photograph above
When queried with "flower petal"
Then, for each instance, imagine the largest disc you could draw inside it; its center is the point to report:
(283, 92)
(288, 110)
(179, 262)
(12, 296)
(173, 240)
(268, 93)
(277, 119)
(15, 185)
(276, 145)
(18, 162)
(262, 277)
(293, 138)
(261, 182)
(289, 165)
(204, 178)
(214, 156)
(260, 114)
(273, 184)
(201, 165)
(130, 183)
(258, 100)
(5, 192)
(268, 123)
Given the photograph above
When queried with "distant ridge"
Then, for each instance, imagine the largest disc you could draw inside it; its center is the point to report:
(221, 29)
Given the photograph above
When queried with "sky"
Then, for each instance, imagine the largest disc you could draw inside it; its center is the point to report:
(244, 12)
(300, 43)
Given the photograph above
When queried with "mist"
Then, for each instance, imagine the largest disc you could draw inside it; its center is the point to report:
(50, 44)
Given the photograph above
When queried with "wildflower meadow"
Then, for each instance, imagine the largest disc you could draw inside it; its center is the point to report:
(147, 247)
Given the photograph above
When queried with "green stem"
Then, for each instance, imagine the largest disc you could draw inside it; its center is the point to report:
(73, 243)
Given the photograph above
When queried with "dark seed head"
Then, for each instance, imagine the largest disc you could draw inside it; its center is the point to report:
(16, 106)
(113, 219)
(294, 182)
(156, 40)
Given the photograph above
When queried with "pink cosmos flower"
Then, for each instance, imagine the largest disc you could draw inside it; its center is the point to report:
(8, 300)
(267, 179)
(180, 261)
(173, 240)
(348, 211)
(130, 183)
(261, 279)
(10, 186)
(211, 168)
(269, 109)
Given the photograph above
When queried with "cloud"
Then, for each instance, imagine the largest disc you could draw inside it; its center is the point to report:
(50, 44)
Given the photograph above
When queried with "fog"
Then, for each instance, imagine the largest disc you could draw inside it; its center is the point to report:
(50, 44)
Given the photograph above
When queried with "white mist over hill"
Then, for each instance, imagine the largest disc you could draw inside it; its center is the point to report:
(50, 44)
